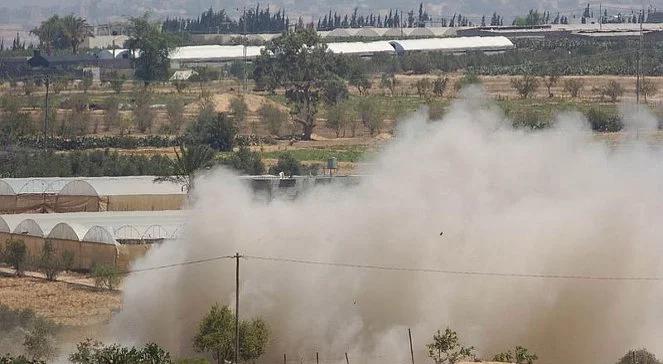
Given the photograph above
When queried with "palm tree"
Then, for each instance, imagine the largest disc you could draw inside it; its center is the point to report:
(49, 33)
(188, 161)
(75, 30)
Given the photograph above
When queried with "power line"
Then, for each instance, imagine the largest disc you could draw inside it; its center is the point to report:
(406, 269)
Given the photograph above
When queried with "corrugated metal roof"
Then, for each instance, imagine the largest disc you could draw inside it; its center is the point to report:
(459, 44)
(361, 47)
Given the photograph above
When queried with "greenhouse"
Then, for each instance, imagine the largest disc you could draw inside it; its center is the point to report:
(361, 48)
(453, 45)
(89, 194)
(115, 238)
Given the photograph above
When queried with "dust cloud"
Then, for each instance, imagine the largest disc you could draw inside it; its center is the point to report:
(555, 201)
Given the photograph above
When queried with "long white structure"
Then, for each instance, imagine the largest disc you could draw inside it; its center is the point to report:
(361, 48)
(452, 45)
(97, 227)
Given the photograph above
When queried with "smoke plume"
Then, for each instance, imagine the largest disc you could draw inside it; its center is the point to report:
(555, 201)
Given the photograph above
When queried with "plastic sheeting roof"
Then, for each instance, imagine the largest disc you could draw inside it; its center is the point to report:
(209, 52)
(100, 227)
(89, 186)
(459, 44)
(361, 47)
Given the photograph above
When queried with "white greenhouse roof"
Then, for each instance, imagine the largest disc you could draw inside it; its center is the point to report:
(210, 52)
(371, 32)
(459, 44)
(361, 47)
(89, 186)
(100, 227)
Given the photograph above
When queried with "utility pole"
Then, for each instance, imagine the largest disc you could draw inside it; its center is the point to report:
(244, 40)
(47, 82)
(409, 334)
(638, 80)
(237, 256)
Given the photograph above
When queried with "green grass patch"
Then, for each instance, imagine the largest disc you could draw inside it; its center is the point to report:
(342, 154)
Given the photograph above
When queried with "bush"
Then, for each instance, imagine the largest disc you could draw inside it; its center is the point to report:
(8, 359)
(371, 115)
(604, 121)
(338, 118)
(52, 265)
(116, 82)
(614, 90)
(573, 86)
(648, 88)
(94, 352)
(439, 86)
(520, 355)
(273, 117)
(143, 113)
(105, 276)
(15, 255)
(640, 356)
(175, 110)
(37, 333)
(525, 86)
(246, 161)
(287, 164)
(238, 110)
(424, 87)
(214, 129)
(469, 78)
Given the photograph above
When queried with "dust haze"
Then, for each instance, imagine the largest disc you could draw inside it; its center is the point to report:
(555, 201)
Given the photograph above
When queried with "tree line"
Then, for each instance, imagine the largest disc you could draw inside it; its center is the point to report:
(251, 21)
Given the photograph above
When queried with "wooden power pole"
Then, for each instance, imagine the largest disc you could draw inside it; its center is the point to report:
(237, 256)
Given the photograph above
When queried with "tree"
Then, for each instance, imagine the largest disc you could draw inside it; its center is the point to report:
(59, 84)
(273, 117)
(338, 118)
(38, 341)
(180, 85)
(439, 86)
(116, 81)
(640, 356)
(424, 87)
(51, 34)
(86, 82)
(614, 90)
(8, 359)
(253, 338)
(299, 62)
(525, 85)
(520, 355)
(105, 276)
(189, 160)
(389, 82)
(216, 334)
(52, 265)
(573, 86)
(214, 129)
(246, 161)
(238, 110)
(95, 352)
(154, 47)
(75, 30)
(112, 116)
(550, 82)
(288, 164)
(446, 348)
(143, 113)
(360, 80)
(16, 255)
(648, 88)
(175, 112)
(370, 114)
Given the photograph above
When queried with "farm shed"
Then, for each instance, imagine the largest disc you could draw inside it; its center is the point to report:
(90, 194)
(452, 45)
(361, 48)
(115, 238)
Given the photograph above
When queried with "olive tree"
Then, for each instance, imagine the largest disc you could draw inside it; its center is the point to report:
(446, 348)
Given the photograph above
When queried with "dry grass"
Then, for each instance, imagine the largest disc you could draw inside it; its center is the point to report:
(64, 303)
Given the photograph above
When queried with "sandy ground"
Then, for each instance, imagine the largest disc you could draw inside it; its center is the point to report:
(64, 303)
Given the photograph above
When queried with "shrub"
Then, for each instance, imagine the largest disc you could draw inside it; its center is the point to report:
(614, 90)
(105, 276)
(371, 115)
(16, 255)
(424, 87)
(95, 352)
(21, 359)
(38, 341)
(246, 161)
(604, 121)
(573, 86)
(469, 78)
(446, 348)
(112, 115)
(180, 85)
(338, 118)
(550, 82)
(287, 164)
(440, 85)
(388, 81)
(143, 113)
(175, 111)
(86, 82)
(116, 82)
(525, 85)
(238, 110)
(273, 117)
(520, 355)
(52, 265)
(214, 129)
(648, 88)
